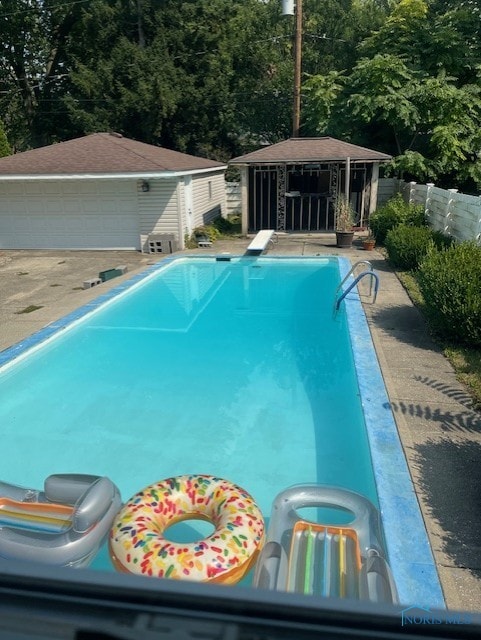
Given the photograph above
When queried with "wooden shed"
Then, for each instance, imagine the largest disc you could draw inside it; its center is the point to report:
(294, 185)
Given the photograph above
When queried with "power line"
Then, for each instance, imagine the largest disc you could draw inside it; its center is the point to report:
(30, 9)
(217, 103)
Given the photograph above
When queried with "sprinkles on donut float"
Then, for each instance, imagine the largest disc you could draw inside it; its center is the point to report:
(138, 543)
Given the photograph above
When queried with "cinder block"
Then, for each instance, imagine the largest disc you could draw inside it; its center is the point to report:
(93, 282)
(161, 243)
(122, 268)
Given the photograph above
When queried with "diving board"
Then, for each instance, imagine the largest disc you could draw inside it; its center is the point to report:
(261, 240)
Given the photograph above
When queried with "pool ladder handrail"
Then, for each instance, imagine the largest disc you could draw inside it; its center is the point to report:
(354, 283)
(351, 271)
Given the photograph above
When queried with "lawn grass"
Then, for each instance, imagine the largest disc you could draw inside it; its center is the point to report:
(467, 364)
(466, 361)
(29, 309)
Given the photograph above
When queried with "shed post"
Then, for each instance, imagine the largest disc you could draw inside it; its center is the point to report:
(181, 226)
(374, 187)
(347, 186)
(244, 199)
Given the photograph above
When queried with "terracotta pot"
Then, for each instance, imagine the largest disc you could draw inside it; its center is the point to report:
(368, 245)
(344, 239)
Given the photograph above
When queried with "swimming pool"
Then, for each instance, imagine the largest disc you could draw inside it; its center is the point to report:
(234, 368)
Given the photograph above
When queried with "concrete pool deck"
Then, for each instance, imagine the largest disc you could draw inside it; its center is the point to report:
(439, 430)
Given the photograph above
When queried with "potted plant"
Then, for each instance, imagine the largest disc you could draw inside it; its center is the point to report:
(369, 242)
(344, 223)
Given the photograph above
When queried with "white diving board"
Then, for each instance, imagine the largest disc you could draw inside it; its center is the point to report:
(261, 240)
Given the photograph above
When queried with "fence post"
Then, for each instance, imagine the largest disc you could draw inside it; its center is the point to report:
(412, 192)
(427, 204)
(447, 216)
(478, 231)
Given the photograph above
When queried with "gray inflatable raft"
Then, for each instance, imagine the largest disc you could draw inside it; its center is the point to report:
(63, 525)
(347, 561)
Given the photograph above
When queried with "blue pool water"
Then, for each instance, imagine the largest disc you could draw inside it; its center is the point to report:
(237, 369)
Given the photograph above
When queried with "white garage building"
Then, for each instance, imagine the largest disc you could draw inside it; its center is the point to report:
(104, 191)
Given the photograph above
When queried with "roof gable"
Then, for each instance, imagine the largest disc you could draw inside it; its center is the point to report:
(298, 150)
(101, 153)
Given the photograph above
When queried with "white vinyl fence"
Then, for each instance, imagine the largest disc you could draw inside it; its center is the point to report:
(454, 214)
(386, 189)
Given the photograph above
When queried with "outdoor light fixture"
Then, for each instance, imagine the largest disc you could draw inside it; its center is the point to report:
(145, 186)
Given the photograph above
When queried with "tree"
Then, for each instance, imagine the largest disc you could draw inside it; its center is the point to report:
(34, 34)
(213, 77)
(400, 101)
(4, 146)
(200, 76)
(431, 38)
(210, 77)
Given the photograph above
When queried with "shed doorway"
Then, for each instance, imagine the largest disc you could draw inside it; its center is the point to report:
(292, 197)
(308, 194)
(301, 197)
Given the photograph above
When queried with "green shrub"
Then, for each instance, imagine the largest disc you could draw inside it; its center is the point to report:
(450, 282)
(206, 231)
(415, 216)
(441, 241)
(408, 246)
(5, 149)
(222, 225)
(396, 211)
(230, 226)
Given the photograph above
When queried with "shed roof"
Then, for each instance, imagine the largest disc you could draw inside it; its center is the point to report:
(101, 153)
(298, 150)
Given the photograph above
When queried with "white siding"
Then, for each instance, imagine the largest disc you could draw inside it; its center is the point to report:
(69, 214)
(163, 208)
(209, 197)
(103, 213)
(158, 208)
(233, 198)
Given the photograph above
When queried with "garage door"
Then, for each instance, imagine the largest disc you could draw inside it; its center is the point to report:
(84, 214)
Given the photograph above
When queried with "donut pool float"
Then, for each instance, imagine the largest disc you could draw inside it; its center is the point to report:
(138, 543)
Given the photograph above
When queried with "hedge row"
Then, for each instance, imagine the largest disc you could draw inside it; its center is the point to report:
(448, 274)
(408, 246)
(450, 282)
(394, 213)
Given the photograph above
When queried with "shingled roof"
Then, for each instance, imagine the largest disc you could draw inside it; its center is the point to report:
(101, 153)
(298, 150)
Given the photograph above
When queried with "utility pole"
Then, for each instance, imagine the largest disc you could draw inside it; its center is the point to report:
(288, 10)
(296, 110)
